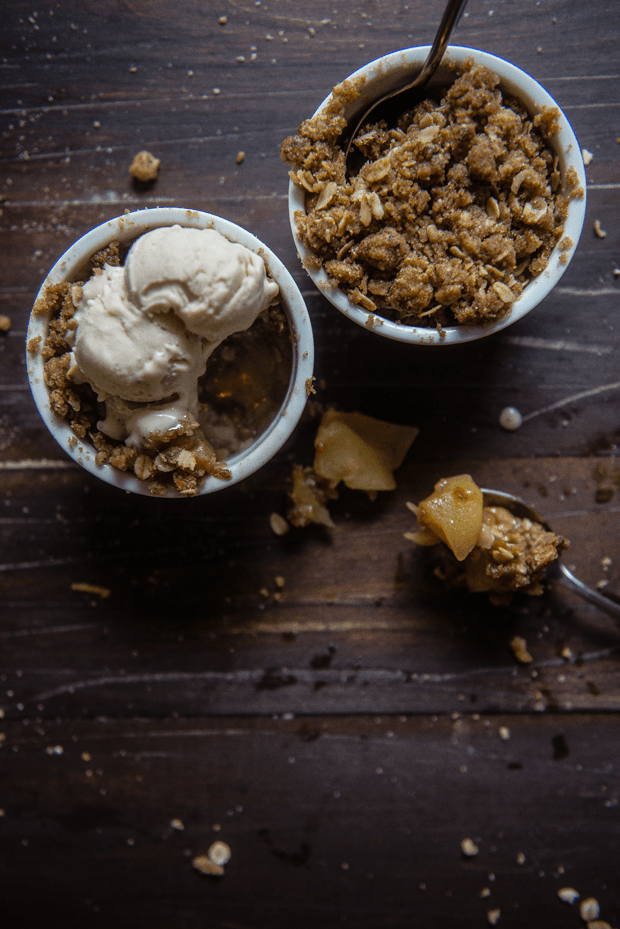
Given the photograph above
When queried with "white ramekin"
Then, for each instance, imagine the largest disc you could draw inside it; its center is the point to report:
(74, 265)
(383, 73)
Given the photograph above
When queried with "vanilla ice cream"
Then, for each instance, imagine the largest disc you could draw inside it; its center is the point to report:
(144, 331)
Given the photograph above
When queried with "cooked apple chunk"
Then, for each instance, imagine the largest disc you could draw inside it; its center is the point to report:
(453, 514)
(361, 451)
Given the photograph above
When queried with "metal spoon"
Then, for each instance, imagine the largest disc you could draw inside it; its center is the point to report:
(451, 16)
(518, 508)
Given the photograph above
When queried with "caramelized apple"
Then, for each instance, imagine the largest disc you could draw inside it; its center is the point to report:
(454, 513)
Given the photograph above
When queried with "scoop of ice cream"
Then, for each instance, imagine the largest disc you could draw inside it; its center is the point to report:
(214, 286)
(123, 353)
(145, 331)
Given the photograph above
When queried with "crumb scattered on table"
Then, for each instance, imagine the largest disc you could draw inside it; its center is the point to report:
(598, 230)
(84, 588)
(204, 864)
(279, 525)
(5, 323)
(587, 156)
(240, 157)
(469, 848)
(219, 853)
(568, 894)
(144, 167)
(519, 648)
(589, 909)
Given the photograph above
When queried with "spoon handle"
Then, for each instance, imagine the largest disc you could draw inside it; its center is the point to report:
(592, 596)
(451, 16)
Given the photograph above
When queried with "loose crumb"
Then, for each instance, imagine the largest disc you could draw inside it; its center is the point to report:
(204, 864)
(519, 648)
(589, 909)
(279, 525)
(223, 20)
(5, 323)
(520, 858)
(219, 853)
(145, 167)
(177, 824)
(485, 892)
(84, 588)
(568, 894)
(493, 916)
(240, 157)
(504, 733)
(587, 156)
(597, 229)
(469, 848)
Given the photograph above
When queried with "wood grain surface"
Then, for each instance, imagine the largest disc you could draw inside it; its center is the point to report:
(318, 701)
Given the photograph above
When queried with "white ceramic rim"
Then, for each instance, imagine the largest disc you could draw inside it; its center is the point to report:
(530, 92)
(126, 228)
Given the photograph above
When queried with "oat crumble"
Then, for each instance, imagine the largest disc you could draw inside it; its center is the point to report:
(145, 167)
(454, 212)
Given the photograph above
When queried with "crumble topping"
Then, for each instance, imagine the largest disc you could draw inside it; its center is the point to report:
(453, 213)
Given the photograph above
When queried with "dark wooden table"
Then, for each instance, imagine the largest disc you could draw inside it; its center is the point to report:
(345, 732)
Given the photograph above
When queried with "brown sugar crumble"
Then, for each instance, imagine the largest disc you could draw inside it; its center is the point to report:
(5, 323)
(241, 394)
(453, 213)
(145, 167)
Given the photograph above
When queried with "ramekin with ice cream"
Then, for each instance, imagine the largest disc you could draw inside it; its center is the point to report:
(169, 351)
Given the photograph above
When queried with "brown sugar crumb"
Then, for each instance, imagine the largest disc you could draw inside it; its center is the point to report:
(240, 158)
(519, 649)
(95, 589)
(34, 344)
(5, 323)
(145, 167)
(456, 209)
(598, 230)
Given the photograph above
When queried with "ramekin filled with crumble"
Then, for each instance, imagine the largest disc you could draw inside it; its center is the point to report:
(169, 352)
(465, 212)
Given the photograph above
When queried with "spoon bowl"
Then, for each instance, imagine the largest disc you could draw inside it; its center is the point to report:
(522, 510)
(406, 84)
